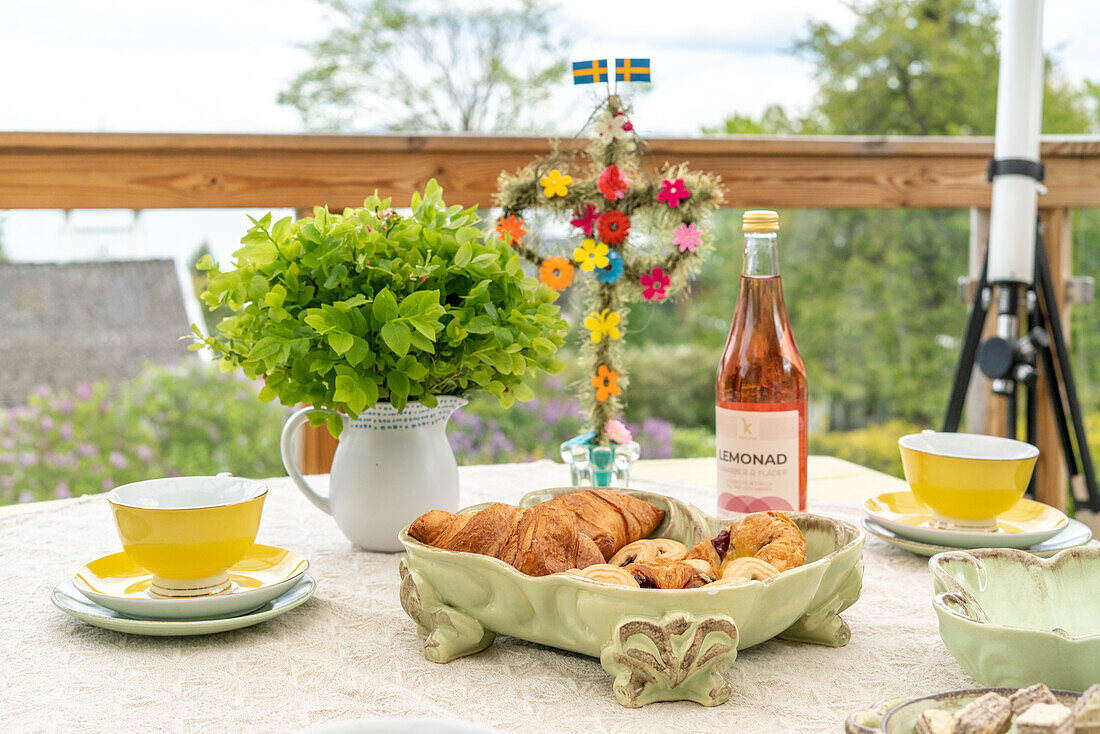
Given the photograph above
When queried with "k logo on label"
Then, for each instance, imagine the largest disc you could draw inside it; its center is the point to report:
(746, 429)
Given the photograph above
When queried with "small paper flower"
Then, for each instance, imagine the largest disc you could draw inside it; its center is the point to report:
(672, 192)
(591, 255)
(555, 183)
(556, 272)
(511, 230)
(614, 269)
(606, 383)
(587, 220)
(617, 432)
(655, 282)
(612, 183)
(614, 227)
(688, 237)
(613, 127)
(605, 323)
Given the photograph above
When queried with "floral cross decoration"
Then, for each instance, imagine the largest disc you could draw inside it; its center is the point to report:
(635, 236)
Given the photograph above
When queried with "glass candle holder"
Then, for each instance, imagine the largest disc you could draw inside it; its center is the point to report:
(592, 465)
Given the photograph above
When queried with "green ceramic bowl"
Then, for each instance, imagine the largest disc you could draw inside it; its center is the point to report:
(1012, 619)
(899, 715)
(461, 600)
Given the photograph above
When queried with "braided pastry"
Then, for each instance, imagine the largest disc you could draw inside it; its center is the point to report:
(642, 551)
(747, 569)
(606, 573)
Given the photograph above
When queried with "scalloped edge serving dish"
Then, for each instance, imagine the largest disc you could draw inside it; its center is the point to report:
(659, 644)
(1011, 619)
(898, 715)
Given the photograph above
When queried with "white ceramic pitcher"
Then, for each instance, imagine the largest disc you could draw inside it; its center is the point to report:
(389, 469)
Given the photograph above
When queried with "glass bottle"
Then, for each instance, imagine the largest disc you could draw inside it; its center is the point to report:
(760, 390)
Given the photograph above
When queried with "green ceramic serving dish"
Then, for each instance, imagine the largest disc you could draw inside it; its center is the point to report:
(1012, 619)
(899, 715)
(658, 644)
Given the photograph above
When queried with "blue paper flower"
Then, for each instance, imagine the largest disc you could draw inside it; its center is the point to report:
(614, 269)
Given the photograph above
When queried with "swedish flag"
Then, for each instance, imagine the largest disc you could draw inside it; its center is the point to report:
(632, 70)
(590, 72)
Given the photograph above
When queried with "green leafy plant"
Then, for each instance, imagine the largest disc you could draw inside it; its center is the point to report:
(342, 311)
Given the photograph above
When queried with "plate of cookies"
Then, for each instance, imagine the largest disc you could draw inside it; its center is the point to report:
(1032, 710)
(661, 592)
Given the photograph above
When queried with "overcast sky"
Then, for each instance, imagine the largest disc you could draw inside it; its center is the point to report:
(217, 65)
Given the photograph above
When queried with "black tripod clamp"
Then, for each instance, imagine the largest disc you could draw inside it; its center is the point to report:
(1015, 167)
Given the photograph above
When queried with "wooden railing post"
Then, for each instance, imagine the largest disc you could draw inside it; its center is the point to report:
(1052, 479)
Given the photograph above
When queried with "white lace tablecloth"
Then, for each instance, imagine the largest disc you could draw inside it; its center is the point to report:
(350, 652)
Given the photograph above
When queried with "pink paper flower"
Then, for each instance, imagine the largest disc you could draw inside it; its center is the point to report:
(673, 192)
(587, 220)
(617, 432)
(688, 237)
(655, 282)
(612, 183)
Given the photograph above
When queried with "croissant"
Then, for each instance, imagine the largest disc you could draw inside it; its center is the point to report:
(769, 536)
(661, 573)
(612, 519)
(537, 541)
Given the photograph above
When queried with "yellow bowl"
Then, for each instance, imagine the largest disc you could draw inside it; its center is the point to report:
(188, 531)
(967, 479)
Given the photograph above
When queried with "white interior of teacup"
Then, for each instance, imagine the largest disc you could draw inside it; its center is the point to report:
(968, 446)
(184, 493)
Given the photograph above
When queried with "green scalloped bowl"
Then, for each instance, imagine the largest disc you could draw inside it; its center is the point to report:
(1012, 619)
(577, 614)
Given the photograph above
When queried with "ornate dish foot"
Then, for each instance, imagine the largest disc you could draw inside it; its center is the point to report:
(679, 657)
(447, 632)
(822, 624)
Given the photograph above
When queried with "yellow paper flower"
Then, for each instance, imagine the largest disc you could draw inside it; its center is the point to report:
(591, 255)
(555, 183)
(603, 324)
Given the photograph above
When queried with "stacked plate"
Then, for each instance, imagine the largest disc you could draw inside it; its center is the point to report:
(904, 521)
(113, 592)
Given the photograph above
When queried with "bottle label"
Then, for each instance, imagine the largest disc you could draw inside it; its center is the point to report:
(759, 458)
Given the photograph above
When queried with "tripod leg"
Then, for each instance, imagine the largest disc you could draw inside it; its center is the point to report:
(1064, 370)
(976, 321)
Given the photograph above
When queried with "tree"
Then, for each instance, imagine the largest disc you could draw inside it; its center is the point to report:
(872, 293)
(430, 66)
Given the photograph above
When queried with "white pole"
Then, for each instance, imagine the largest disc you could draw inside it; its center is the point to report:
(1019, 119)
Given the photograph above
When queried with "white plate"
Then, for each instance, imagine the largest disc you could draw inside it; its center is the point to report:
(1075, 534)
(66, 598)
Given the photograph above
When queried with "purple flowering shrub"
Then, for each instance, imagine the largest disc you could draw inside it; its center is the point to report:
(484, 433)
(169, 421)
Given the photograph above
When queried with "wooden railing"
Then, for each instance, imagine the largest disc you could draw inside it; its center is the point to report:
(144, 171)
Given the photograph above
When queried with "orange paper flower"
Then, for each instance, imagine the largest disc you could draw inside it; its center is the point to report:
(511, 230)
(556, 272)
(606, 383)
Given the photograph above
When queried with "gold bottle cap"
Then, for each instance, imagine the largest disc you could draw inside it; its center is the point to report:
(760, 220)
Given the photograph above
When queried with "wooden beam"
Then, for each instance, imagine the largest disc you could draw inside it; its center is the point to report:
(1051, 477)
(143, 171)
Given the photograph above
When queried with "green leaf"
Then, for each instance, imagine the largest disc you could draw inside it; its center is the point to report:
(464, 255)
(421, 342)
(384, 307)
(341, 341)
(397, 337)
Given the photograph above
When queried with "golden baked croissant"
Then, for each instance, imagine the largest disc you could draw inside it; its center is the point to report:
(612, 519)
(661, 573)
(537, 541)
(769, 536)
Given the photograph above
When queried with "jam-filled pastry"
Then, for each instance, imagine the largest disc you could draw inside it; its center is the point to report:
(665, 574)
(537, 541)
(771, 537)
(748, 569)
(607, 574)
(712, 550)
(612, 519)
(644, 550)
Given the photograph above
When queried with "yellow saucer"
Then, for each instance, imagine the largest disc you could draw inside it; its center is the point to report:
(1027, 523)
(116, 582)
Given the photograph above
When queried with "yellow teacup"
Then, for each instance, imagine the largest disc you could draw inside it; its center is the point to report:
(188, 531)
(968, 479)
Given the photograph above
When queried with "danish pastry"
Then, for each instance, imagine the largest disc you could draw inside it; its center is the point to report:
(748, 568)
(665, 574)
(606, 573)
(641, 551)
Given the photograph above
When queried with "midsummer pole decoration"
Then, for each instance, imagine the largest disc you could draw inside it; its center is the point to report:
(636, 236)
